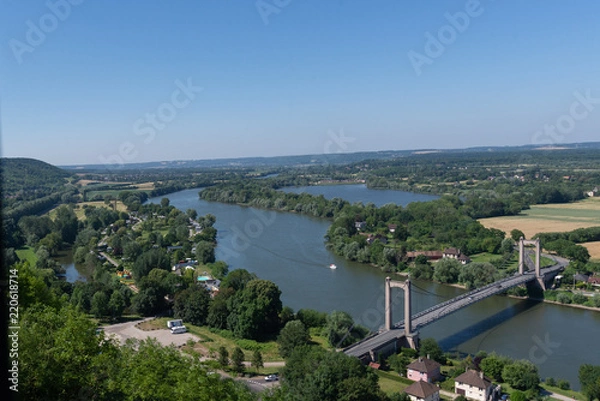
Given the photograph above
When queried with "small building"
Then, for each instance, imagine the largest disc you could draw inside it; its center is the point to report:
(423, 369)
(582, 278)
(453, 253)
(594, 280)
(172, 248)
(464, 259)
(423, 391)
(211, 284)
(360, 225)
(392, 228)
(474, 385)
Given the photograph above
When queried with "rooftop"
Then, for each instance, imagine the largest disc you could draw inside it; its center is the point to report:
(421, 389)
(475, 379)
(423, 365)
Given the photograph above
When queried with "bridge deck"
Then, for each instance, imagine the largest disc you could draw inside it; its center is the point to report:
(444, 309)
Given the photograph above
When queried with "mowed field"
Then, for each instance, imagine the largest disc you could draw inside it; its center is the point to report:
(553, 218)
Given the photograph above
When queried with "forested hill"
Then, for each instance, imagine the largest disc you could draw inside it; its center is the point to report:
(21, 175)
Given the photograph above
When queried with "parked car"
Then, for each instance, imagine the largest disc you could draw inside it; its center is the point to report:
(271, 378)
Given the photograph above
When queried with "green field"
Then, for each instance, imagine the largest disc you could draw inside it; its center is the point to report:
(27, 253)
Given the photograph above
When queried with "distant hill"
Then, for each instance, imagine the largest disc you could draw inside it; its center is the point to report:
(30, 177)
(318, 159)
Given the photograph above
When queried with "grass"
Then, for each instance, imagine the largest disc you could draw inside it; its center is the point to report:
(27, 253)
(568, 393)
(392, 383)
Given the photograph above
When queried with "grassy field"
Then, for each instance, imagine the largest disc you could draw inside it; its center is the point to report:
(27, 254)
(552, 218)
(390, 382)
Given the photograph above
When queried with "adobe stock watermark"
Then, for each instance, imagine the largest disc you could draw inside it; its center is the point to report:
(146, 127)
(337, 142)
(580, 109)
(542, 350)
(435, 45)
(242, 236)
(37, 31)
(266, 8)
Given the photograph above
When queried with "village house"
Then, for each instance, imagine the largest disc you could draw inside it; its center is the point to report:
(392, 228)
(474, 385)
(423, 391)
(423, 369)
(360, 225)
(594, 280)
(455, 253)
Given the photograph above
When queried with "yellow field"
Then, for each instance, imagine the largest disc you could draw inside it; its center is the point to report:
(79, 212)
(552, 218)
(593, 248)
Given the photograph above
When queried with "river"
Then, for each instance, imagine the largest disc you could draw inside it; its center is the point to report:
(289, 250)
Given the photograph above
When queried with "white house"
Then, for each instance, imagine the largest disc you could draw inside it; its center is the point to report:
(474, 386)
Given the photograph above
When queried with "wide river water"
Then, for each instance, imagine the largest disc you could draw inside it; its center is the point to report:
(289, 250)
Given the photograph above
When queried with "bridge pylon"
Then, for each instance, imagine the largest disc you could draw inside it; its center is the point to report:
(522, 243)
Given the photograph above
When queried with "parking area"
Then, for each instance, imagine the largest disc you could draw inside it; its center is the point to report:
(123, 331)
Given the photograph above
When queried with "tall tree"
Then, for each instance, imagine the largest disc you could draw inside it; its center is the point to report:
(237, 360)
(191, 305)
(257, 360)
(293, 335)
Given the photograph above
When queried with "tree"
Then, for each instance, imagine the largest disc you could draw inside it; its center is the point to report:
(589, 377)
(237, 360)
(191, 305)
(223, 357)
(205, 252)
(99, 307)
(293, 335)
(447, 270)
(51, 338)
(312, 373)
(164, 202)
(152, 259)
(66, 223)
(149, 301)
(312, 318)
(430, 347)
(237, 279)
(257, 360)
(254, 311)
(398, 363)
(191, 213)
(521, 375)
(218, 310)
(516, 234)
(517, 395)
(493, 365)
(116, 304)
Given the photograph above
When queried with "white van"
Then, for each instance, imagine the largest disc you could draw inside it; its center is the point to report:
(174, 323)
(178, 329)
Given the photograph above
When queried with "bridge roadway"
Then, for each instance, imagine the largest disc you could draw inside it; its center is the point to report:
(443, 309)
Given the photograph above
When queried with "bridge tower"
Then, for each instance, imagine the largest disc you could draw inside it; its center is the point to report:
(536, 242)
(411, 337)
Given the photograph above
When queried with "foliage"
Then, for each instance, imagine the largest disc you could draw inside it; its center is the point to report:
(428, 346)
(257, 360)
(589, 377)
(237, 360)
(341, 331)
(312, 373)
(447, 270)
(223, 356)
(254, 310)
(293, 335)
(521, 375)
(191, 305)
(493, 366)
(312, 318)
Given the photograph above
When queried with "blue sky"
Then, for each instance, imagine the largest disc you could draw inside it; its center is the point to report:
(102, 83)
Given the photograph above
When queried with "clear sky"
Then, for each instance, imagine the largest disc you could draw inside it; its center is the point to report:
(89, 81)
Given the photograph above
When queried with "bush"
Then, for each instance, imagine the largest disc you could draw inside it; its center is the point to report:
(249, 345)
(550, 381)
(579, 299)
(564, 298)
(563, 384)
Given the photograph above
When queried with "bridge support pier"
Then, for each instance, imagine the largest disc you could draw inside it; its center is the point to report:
(406, 285)
(522, 243)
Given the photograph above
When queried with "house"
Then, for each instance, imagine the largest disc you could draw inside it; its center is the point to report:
(474, 385)
(583, 278)
(594, 280)
(464, 259)
(423, 391)
(360, 225)
(453, 253)
(392, 228)
(423, 369)
(172, 248)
